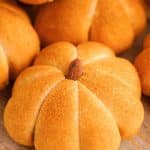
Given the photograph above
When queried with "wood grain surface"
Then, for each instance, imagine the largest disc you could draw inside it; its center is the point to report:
(140, 142)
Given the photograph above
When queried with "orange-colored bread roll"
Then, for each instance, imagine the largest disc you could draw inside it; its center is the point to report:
(113, 22)
(75, 98)
(142, 63)
(19, 42)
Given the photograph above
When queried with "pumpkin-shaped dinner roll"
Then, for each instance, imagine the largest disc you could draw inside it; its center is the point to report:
(75, 98)
(35, 1)
(142, 63)
(113, 22)
(19, 43)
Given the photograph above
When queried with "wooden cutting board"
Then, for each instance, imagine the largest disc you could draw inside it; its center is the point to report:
(140, 142)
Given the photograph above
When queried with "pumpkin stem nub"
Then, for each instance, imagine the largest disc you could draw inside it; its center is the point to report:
(75, 70)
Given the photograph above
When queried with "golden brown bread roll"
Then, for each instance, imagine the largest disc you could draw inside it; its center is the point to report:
(142, 63)
(75, 98)
(12, 6)
(35, 1)
(113, 22)
(19, 43)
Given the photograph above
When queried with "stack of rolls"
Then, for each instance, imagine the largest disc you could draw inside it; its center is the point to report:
(76, 94)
